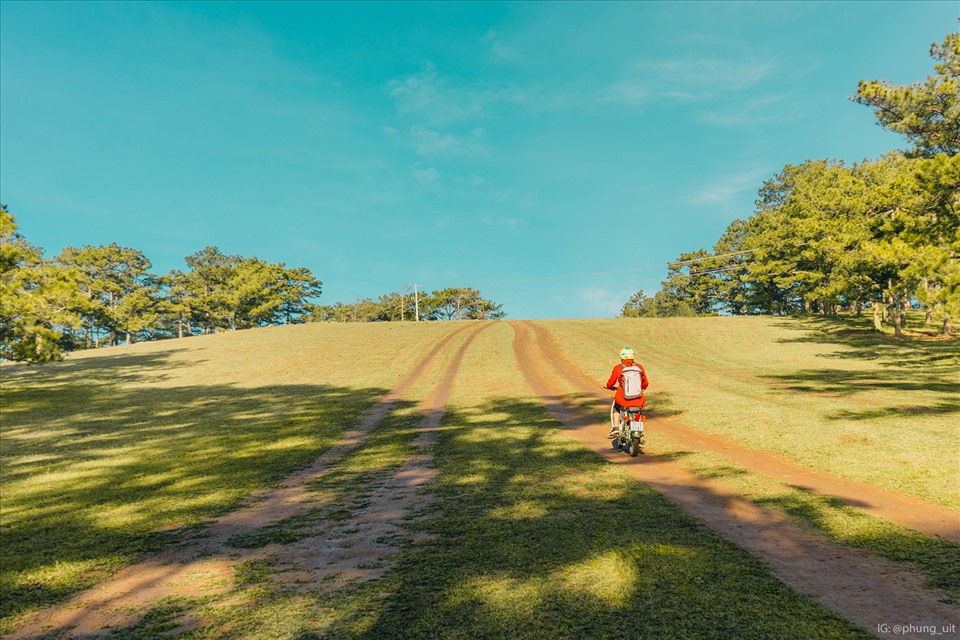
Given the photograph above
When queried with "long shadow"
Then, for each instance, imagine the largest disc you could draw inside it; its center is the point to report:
(533, 539)
(936, 558)
(865, 344)
(911, 364)
(96, 476)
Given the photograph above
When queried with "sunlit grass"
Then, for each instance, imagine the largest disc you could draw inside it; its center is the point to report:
(113, 453)
(868, 407)
(725, 389)
(536, 537)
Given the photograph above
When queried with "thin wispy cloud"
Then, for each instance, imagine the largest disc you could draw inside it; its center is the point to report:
(755, 112)
(427, 142)
(426, 176)
(440, 101)
(602, 302)
(729, 188)
(429, 96)
(686, 79)
(499, 49)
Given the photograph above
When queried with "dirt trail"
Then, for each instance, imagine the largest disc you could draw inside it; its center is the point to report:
(205, 564)
(905, 510)
(864, 589)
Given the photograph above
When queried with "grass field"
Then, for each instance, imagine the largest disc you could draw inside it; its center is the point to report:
(854, 403)
(111, 455)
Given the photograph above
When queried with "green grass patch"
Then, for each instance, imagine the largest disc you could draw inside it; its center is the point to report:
(936, 559)
(114, 454)
(538, 538)
(533, 536)
(829, 394)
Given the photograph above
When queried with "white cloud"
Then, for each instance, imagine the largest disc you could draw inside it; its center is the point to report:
(686, 79)
(602, 302)
(758, 111)
(429, 96)
(428, 142)
(499, 49)
(442, 101)
(725, 190)
(426, 175)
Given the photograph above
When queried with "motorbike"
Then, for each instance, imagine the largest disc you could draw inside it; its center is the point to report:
(630, 436)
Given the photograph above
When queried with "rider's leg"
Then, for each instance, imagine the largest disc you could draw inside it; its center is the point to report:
(614, 422)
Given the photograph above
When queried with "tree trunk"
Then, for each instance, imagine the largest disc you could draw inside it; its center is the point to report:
(896, 314)
(946, 323)
(128, 338)
(877, 316)
(858, 307)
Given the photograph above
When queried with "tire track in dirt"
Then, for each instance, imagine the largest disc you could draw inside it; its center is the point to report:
(865, 589)
(355, 549)
(204, 564)
(905, 510)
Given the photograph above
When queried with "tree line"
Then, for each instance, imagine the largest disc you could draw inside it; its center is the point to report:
(453, 303)
(826, 236)
(93, 296)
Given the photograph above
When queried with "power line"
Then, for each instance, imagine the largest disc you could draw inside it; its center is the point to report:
(722, 255)
(727, 255)
(717, 270)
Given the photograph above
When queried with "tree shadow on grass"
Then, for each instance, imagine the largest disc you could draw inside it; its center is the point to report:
(920, 352)
(936, 558)
(95, 475)
(533, 538)
(917, 365)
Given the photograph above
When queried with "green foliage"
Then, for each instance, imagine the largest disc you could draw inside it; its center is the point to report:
(825, 236)
(662, 305)
(458, 303)
(120, 293)
(461, 303)
(37, 298)
(105, 294)
(927, 113)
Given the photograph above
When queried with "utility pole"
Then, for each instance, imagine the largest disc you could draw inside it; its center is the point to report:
(416, 302)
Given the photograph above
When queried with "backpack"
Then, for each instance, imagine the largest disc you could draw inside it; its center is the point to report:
(631, 380)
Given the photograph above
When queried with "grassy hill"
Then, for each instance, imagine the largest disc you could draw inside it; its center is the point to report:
(113, 455)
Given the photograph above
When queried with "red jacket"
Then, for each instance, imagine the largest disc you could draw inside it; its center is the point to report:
(615, 381)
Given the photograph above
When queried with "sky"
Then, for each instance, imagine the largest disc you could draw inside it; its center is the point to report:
(554, 155)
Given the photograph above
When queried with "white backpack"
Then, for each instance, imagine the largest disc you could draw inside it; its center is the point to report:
(631, 380)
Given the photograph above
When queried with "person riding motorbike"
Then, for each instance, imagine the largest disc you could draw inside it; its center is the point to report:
(616, 381)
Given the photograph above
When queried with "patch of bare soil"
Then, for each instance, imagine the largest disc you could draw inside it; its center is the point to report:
(874, 593)
(356, 548)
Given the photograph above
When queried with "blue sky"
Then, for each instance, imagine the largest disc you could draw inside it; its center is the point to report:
(554, 155)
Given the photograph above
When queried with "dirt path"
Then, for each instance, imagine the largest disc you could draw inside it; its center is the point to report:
(905, 510)
(329, 555)
(867, 590)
